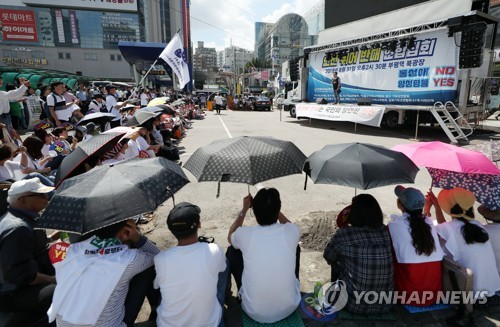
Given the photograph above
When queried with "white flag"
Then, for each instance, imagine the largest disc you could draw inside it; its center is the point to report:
(175, 56)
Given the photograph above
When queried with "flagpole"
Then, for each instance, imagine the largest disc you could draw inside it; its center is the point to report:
(145, 75)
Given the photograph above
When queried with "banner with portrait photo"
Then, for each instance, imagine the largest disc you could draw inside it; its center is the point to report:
(395, 71)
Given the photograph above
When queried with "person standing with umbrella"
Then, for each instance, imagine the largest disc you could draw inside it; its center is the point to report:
(104, 280)
(27, 275)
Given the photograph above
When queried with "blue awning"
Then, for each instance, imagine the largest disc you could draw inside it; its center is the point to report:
(140, 52)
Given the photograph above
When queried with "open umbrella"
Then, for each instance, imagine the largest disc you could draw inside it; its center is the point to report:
(142, 116)
(160, 108)
(448, 157)
(486, 187)
(73, 164)
(490, 149)
(359, 165)
(157, 101)
(110, 194)
(245, 159)
(99, 118)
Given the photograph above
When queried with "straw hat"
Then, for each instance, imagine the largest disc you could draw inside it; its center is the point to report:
(457, 202)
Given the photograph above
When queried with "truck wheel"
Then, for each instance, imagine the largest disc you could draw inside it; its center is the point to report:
(293, 114)
(390, 119)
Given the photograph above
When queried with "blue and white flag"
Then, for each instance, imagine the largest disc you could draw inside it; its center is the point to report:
(175, 56)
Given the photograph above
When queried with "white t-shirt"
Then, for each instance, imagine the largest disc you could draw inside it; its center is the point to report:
(18, 175)
(111, 104)
(132, 149)
(144, 99)
(143, 145)
(5, 172)
(399, 228)
(60, 114)
(478, 257)
(270, 290)
(494, 233)
(187, 277)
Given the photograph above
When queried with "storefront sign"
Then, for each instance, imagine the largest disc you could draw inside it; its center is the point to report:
(23, 61)
(118, 5)
(18, 25)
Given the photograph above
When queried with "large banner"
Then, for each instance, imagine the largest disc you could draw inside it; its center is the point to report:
(422, 74)
(18, 25)
(366, 115)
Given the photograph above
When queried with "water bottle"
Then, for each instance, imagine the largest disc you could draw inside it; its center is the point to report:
(63, 236)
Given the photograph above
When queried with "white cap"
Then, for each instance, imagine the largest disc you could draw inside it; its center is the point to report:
(32, 185)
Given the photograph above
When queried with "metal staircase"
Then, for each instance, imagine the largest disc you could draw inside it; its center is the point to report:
(443, 113)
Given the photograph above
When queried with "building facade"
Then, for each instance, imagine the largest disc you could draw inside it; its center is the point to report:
(233, 58)
(282, 41)
(79, 37)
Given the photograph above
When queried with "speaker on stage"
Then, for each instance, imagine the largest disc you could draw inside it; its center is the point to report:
(364, 101)
(321, 101)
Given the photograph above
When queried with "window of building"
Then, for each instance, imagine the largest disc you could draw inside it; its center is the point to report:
(9, 53)
(119, 57)
(112, 57)
(94, 56)
(90, 56)
(60, 55)
(68, 55)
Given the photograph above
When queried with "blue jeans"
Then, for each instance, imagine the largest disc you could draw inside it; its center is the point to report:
(337, 95)
(221, 289)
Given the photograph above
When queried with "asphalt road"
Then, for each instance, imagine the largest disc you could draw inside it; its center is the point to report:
(314, 210)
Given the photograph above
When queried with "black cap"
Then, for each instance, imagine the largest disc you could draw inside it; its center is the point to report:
(109, 87)
(98, 95)
(183, 219)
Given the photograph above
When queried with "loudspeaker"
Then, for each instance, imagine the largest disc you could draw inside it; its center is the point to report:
(481, 5)
(364, 101)
(321, 101)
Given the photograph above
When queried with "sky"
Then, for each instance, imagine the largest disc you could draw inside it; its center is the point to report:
(220, 22)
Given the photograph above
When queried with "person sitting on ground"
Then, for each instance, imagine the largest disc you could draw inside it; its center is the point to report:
(26, 273)
(7, 165)
(417, 252)
(360, 255)
(36, 162)
(264, 259)
(465, 239)
(104, 279)
(62, 136)
(493, 230)
(191, 272)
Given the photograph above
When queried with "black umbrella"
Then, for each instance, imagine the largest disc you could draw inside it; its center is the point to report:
(110, 194)
(160, 108)
(73, 164)
(245, 159)
(359, 165)
(99, 118)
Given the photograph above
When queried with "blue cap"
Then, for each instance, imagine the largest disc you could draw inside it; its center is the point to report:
(411, 198)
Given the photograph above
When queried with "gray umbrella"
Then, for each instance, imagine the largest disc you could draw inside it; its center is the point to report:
(245, 159)
(142, 116)
(359, 165)
(109, 194)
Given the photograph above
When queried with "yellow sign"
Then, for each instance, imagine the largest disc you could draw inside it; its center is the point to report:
(23, 62)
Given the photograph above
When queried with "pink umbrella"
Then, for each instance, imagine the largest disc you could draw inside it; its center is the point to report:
(448, 157)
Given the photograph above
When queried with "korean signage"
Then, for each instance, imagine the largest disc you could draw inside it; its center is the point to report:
(72, 22)
(366, 115)
(23, 61)
(118, 5)
(18, 25)
(60, 26)
(420, 75)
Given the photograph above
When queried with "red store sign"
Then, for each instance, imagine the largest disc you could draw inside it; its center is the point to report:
(18, 25)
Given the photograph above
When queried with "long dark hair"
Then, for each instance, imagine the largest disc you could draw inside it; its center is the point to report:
(365, 211)
(421, 233)
(472, 233)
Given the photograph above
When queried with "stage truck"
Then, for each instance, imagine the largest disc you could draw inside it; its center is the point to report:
(437, 72)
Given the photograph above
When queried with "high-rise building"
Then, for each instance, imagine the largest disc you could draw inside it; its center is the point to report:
(204, 58)
(79, 36)
(233, 58)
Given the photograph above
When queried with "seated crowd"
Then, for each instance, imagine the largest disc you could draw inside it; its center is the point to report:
(108, 273)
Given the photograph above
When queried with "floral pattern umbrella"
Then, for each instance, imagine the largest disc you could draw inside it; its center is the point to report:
(486, 187)
(490, 149)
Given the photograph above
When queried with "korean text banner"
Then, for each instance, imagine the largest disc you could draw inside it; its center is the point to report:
(420, 75)
(18, 25)
(366, 115)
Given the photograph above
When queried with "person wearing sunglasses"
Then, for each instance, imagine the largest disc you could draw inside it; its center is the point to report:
(27, 276)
